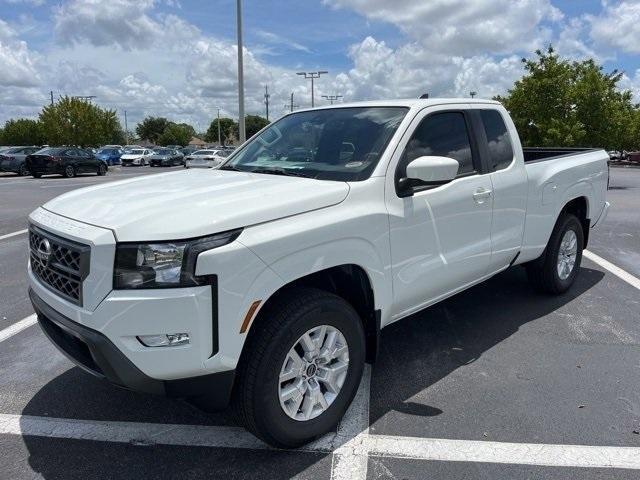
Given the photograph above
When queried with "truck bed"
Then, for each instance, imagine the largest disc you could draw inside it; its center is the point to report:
(541, 154)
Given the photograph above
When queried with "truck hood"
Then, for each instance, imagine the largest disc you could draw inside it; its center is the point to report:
(194, 203)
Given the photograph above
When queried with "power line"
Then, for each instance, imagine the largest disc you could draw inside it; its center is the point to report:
(312, 76)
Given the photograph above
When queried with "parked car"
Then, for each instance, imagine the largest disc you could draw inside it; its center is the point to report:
(205, 159)
(66, 161)
(110, 156)
(165, 157)
(13, 159)
(137, 156)
(186, 151)
(272, 278)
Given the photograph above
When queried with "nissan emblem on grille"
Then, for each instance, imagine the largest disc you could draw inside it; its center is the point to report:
(60, 264)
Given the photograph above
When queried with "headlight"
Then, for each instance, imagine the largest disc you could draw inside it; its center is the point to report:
(163, 265)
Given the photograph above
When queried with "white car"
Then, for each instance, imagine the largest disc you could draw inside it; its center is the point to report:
(273, 276)
(205, 159)
(137, 156)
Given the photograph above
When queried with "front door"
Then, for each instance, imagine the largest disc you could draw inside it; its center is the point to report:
(440, 237)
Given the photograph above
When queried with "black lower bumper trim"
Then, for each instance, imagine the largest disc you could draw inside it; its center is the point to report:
(96, 354)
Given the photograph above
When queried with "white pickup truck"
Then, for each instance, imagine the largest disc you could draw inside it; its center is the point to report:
(266, 283)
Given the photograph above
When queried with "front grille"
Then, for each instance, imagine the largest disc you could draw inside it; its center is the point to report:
(60, 264)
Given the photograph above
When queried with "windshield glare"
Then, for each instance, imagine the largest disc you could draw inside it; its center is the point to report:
(330, 144)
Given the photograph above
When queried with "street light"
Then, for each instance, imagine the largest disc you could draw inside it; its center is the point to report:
(473, 94)
(219, 137)
(332, 98)
(241, 126)
(312, 76)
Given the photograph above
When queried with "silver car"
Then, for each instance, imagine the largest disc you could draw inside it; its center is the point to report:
(13, 159)
(210, 158)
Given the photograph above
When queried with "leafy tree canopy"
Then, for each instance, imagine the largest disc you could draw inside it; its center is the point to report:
(176, 134)
(255, 123)
(562, 103)
(22, 131)
(73, 121)
(151, 128)
(228, 130)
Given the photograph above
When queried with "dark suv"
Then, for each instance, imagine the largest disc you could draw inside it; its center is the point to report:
(66, 161)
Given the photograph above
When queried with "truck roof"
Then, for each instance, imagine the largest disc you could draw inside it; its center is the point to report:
(407, 102)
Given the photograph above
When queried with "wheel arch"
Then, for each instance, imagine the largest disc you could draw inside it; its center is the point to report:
(579, 206)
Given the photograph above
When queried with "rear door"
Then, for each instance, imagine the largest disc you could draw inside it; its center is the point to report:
(440, 237)
(499, 145)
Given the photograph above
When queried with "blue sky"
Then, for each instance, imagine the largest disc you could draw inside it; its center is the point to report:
(176, 58)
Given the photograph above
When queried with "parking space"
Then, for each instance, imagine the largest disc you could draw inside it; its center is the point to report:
(498, 383)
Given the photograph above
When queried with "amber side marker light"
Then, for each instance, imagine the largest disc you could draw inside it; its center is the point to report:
(247, 319)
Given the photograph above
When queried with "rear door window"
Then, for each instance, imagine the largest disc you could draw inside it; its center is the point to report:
(498, 140)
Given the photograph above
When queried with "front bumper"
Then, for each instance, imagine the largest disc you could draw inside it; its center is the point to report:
(96, 354)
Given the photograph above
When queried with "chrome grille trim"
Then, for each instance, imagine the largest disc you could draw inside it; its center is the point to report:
(60, 264)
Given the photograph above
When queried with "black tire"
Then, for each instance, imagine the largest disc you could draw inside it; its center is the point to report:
(102, 170)
(69, 171)
(23, 171)
(36, 175)
(543, 272)
(290, 315)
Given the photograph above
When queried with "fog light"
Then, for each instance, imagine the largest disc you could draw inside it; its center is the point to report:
(168, 340)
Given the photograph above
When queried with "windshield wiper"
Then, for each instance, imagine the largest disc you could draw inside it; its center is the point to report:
(232, 168)
(278, 171)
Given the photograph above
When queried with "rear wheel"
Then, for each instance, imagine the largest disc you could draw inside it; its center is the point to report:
(69, 171)
(102, 169)
(302, 367)
(23, 170)
(557, 268)
(36, 175)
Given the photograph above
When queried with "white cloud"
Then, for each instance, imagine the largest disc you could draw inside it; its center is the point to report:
(463, 27)
(17, 63)
(618, 26)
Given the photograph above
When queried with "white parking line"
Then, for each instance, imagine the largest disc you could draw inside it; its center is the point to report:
(428, 449)
(9, 235)
(17, 327)
(617, 271)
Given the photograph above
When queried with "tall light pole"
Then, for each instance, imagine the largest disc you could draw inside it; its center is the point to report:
(241, 126)
(312, 76)
(473, 94)
(126, 128)
(332, 98)
(291, 105)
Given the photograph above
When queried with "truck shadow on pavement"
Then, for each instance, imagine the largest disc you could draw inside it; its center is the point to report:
(416, 353)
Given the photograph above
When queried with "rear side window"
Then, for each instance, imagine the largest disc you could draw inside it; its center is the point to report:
(444, 135)
(498, 140)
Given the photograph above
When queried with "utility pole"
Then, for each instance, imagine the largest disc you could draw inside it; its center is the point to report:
(241, 126)
(312, 76)
(266, 99)
(219, 135)
(473, 94)
(51, 92)
(291, 105)
(332, 98)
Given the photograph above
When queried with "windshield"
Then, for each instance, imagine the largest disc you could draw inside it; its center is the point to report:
(163, 151)
(51, 151)
(331, 144)
(136, 152)
(204, 152)
(107, 151)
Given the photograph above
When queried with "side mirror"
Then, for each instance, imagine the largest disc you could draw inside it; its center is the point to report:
(428, 171)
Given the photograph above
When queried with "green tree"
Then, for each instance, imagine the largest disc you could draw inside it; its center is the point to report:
(562, 103)
(255, 123)
(73, 121)
(228, 130)
(151, 128)
(22, 131)
(176, 134)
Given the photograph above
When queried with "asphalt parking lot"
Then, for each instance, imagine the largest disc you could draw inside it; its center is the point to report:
(496, 383)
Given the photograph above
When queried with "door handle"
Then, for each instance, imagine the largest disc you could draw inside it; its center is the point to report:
(481, 194)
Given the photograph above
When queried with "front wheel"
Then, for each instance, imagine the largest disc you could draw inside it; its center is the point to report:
(102, 170)
(301, 369)
(557, 268)
(23, 170)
